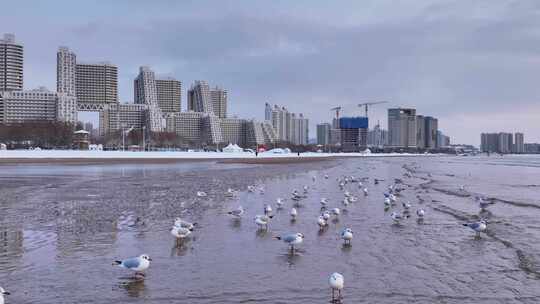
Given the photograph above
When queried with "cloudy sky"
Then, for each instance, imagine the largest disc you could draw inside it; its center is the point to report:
(473, 64)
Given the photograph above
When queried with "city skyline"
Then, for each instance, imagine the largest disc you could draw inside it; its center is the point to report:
(464, 63)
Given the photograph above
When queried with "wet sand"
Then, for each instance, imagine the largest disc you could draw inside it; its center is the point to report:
(63, 225)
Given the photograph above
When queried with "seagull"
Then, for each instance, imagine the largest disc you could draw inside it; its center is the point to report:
(336, 211)
(462, 188)
(326, 176)
(480, 226)
(262, 221)
(261, 189)
(178, 222)
(483, 204)
(321, 221)
(347, 235)
(314, 178)
(420, 213)
(251, 188)
(352, 199)
(406, 206)
(324, 202)
(294, 214)
(360, 185)
(229, 193)
(279, 202)
(336, 283)
(365, 191)
(392, 198)
(306, 188)
(138, 264)
(345, 202)
(2, 294)
(238, 212)
(347, 193)
(326, 215)
(397, 217)
(292, 239)
(387, 201)
(201, 194)
(267, 209)
(180, 233)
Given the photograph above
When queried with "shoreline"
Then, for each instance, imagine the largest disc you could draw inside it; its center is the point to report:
(75, 157)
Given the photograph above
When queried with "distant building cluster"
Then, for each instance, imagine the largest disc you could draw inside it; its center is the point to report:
(406, 130)
(288, 127)
(157, 104)
(502, 142)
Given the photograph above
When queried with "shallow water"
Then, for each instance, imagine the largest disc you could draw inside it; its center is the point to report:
(62, 226)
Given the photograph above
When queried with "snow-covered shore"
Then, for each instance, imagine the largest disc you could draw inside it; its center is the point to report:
(76, 154)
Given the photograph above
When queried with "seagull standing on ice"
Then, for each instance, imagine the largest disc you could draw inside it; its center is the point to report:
(2, 294)
(478, 227)
(178, 222)
(420, 213)
(138, 264)
(238, 212)
(396, 217)
(201, 194)
(406, 206)
(230, 193)
(347, 235)
(365, 191)
(294, 214)
(262, 221)
(321, 221)
(292, 239)
(324, 202)
(326, 176)
(267, 209)
(326, 215)
(279, 202)
(336, 282)
(336, 211)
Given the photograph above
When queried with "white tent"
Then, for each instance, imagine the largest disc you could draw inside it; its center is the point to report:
(233, 149)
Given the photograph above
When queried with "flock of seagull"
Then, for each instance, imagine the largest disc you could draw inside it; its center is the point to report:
(182, 229)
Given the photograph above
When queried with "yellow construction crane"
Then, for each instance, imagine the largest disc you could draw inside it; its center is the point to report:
(367, 104)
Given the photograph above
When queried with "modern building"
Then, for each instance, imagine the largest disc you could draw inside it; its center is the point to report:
(146, 93)
(402, 128)
(11, 64)
(323, 133)
(519, 143)
(186, 125)
(199, 99)
(37, 106)
(96, 83)
(219, 101)
(116, 117)
(288, 127)
(353, 133)
(377, 137)
(420, 132)
(431, 126)
(532, 148)
(169, 94)
(443, 141)
(66, 65)
(498, 142)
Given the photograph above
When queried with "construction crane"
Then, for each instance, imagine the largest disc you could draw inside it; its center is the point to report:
(367, 104)
(337, 109)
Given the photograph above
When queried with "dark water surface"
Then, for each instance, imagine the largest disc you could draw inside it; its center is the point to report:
(62, 226)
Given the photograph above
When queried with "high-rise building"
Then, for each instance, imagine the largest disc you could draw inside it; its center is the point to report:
(219, 102)
(267, 112)
(353, 133)
(288, 127)
(421, 132)
(36, 106)
(169, 93)
(402, 128)
(519, 143)
(11, 64)
(118, 116)
(199, 99)
(66, 62)
(377, 137)
(146, 93)
(443, 141)
(323, 133)
(497, 142)
(505, 142)
(431, 127)
(96, 83)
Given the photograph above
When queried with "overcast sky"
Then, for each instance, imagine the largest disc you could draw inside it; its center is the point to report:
(475, 65)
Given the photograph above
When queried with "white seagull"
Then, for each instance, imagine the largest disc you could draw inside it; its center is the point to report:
(262, 221)
(321, 221)
(293, 213)
(326, 215)
(365, 191)
(478, 227)
(292, 239)
(406, 206)
(238, 212)
(2, 294)
(324, 202)
(178, 222)
(336, 211)
(230, 193)
(347, 235)
(396, 217)
(267, 209)
(251, 188)
(279, 202)
(138, 264)
(420, 213)
(336, 282)
(201, 194)
(326, 176)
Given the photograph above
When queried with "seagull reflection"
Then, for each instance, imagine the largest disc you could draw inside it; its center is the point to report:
(134, 287)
